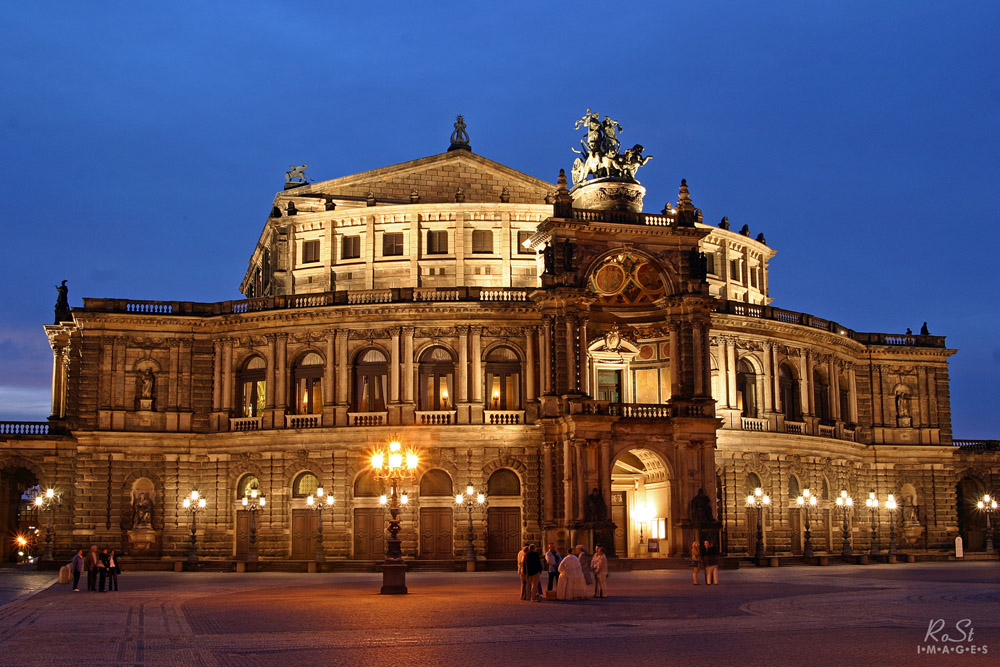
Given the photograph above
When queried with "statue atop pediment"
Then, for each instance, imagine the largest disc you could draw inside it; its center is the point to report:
(601, 154)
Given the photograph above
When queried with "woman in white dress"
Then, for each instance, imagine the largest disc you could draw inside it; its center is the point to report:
(571, 584)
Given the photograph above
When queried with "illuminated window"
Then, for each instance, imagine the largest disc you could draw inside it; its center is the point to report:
(522, 238)
(310, 252)
(437, 242)
(350, 247)
(658, 528)
(503, 380)
(247, 484)
(436, 373)
(788, 392)
(370, 372)
(746, 389)
(253, 387)
(304, 485)
(392, 244)
(307, 377)
(482, 241)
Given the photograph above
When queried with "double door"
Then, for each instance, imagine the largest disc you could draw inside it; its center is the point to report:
(369, 534)
(437, 540)
(504, 532)
(304, 524)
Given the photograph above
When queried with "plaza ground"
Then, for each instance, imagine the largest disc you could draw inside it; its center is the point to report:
(856, 615)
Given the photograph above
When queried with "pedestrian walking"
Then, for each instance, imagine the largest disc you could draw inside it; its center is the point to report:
(113, 571)
(521, 555)
(588, 575)
(91, 563)
(102, 569)
(533, 571)
(599, 565)
(711, 562)
(696, 562)
(552, 559)
(77, 568)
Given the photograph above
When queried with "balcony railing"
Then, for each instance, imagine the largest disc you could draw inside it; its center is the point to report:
(244, 424)
(795, 428)
(977, 445)
(645, 410)
(303, 421)
(825, 431)
(24, 428)
(753, 424)
(436, 417)
(503, 417)
(368, 418)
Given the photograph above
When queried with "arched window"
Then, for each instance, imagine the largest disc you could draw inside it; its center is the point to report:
(821, 396)
(253, 387)
(436, 483)
(482, 241)
(246, 484)
(794, 488)
(307, 378)
(788, 391)
(825, 494)
(370, 371)
(746, 389)
(437, 373)
(503, 482)
(503, 380)
(304, 485)
(366, 486)
(753, 482)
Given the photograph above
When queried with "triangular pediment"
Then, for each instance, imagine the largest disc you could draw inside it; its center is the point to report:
(436, 179)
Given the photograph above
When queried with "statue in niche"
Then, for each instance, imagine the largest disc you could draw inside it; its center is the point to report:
(145, 388)
(902, 405)
(595, 510)
(701, 510)
(62, 310)
(142, 511)
(910, 512)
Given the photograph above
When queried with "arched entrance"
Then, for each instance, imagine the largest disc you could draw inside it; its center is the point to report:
(503, 516)
(18, 516)
(971, 521)
(640, 505)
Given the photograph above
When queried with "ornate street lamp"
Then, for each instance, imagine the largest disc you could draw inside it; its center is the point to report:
(47, 502)
(805, 501)
(988, 504)
(317, 502)
(471, 499)
(871, 502)
(393, 466)
(194, 504)
(846, 504)
(890, 504)
(254, 503)
(759, 500)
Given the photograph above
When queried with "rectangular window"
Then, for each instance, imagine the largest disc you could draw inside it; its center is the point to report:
(392, 244)
(734, 271)
(482, 241)
(753, 277)
(522, 239)
(350, 247)
(710, 262)
(437, 243)
(310, 252)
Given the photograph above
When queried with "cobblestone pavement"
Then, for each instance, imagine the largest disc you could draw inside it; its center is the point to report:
(16, 582)
(874, 615)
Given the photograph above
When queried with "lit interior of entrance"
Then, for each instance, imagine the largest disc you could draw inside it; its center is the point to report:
(640, 505)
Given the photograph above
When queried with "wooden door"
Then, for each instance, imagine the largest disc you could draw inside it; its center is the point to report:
(752, 532)
(795, 526)
(303, 534)
(619, 515)
(242, 533)
(369, 534)
(504, 531)
(436, 533)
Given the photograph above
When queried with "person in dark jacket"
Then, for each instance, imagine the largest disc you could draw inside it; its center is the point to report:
(77, 568)
(532, 570)
(113, 569)
(102, 569)
(711, 562)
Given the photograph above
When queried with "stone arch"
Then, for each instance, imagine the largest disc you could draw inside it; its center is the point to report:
(418, 351)
(432, 482)
(237, 473)
(506, 461)
(751, 359)
(300, 353)
(493, 345)
(301, 485)
(364, 484)
(496, 480)
(665, 275)
(369, 345)
(241, 363)
(15, 461)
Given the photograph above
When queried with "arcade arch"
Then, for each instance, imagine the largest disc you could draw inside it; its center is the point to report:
(641, 504)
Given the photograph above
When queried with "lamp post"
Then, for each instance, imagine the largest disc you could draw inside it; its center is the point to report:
(470, 500)
(759, 500)
(988, 504)
(871, 502)
(391, 465)
(317, 502)
(47, 502)
(846, 504)
(194, 503)
(805, 501)
(890, 504)
(253, 504)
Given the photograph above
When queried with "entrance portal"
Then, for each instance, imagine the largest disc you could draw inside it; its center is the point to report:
(18, 516)
(640, 505)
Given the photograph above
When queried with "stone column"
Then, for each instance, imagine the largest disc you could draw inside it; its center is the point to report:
(407, 379)
(705, 363)
(696, 362)
(675, 362)
(529, 364)
(584, 376)
(605, 477)
(547, 490)
(477, 366)
(730, 372)
(227, 375)
(281, 388)
(342, 368)
(572, 382)
(852, 377)
(462, 375)
(394, 366)
(328, 395)
(270, 373)
(768, 377)
(834, 390)
(805, 382)
(58, 382)
(568, 511)
(580, 479)
(217, 376)
(546, 355)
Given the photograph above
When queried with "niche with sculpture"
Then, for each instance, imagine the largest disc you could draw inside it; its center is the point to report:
(145, 385)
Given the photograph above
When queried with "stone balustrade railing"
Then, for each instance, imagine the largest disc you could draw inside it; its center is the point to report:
(978, 445)
(670, 410)
(24, 428)
(436, 417)
(503, 417)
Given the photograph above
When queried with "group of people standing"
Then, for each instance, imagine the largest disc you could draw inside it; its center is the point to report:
(102, 569)
(570, 575)
(705, 558)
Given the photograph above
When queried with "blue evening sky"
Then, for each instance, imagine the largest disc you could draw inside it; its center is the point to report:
(143, 143)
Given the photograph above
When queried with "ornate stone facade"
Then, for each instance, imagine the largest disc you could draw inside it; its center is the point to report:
(551, 354)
